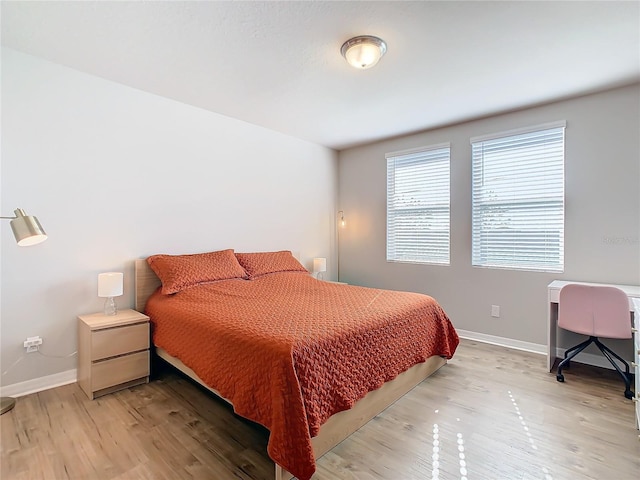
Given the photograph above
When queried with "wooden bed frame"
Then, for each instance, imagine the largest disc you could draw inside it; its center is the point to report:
(336, 428)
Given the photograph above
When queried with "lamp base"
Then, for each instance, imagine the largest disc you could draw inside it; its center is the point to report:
(6, 404)
(110, 306)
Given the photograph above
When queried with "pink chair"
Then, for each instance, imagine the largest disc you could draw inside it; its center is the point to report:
(598, 312)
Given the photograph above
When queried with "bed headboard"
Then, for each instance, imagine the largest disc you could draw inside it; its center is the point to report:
(146, 283)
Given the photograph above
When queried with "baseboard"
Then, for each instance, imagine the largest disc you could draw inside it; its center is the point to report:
(586, 358)
(503, 342)
(39, 384)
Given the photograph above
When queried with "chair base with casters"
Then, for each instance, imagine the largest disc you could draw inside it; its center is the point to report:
(607, 352)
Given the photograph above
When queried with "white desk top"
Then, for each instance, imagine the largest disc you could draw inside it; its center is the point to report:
(632, 291)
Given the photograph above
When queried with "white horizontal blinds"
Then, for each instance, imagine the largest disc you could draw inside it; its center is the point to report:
(518, 200)
(418, 205)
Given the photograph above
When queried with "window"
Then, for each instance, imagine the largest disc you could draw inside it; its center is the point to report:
(418, 205)
(518, 199)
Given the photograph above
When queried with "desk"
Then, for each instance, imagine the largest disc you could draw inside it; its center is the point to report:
(632, 291)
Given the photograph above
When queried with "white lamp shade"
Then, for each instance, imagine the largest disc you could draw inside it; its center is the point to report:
(319, 265)
(110, 284)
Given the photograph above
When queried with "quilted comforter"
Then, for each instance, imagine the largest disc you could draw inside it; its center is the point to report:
(289, 351)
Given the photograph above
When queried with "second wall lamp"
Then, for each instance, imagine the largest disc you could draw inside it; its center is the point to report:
(26, 229)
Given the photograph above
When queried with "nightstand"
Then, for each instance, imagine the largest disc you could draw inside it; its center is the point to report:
(113, 351)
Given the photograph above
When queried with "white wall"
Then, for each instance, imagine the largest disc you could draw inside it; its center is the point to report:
(115, 174)
(602, 225)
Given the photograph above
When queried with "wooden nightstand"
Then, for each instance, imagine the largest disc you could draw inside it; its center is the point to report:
(113, 351)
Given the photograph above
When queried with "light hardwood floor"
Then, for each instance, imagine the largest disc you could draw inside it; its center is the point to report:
(491, 413)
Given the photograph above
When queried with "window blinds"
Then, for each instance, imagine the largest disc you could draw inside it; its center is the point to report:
(418, 205)
(518, 199)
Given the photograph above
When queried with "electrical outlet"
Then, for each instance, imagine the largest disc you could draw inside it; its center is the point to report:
(32, 344)
(495, 311)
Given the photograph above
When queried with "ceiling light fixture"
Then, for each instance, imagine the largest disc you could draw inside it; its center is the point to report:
(364, 51)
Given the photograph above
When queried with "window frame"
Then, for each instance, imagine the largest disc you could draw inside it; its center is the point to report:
(438, 210)
(543, 196)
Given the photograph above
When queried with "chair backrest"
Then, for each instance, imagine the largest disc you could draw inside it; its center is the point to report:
(594, 311)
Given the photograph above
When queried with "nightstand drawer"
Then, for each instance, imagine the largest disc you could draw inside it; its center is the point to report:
(119, 370)
(111, 342)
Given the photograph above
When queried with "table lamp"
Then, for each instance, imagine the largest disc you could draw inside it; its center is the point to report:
(319, 266)
(109, 286)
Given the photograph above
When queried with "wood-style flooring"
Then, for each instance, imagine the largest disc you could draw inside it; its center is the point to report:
(491, 413)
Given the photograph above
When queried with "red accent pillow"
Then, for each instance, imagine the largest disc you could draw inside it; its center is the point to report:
(261, 263)
(177, 272)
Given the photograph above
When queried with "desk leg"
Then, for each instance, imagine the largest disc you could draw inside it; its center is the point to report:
(552, 334)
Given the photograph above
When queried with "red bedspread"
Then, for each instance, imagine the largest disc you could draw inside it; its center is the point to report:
(289, 351)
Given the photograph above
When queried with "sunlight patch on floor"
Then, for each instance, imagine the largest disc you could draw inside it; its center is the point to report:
(442, 449)
(435, 457)
(545, 470)
(463, 463)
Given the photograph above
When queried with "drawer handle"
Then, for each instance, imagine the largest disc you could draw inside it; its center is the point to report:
(634, 364)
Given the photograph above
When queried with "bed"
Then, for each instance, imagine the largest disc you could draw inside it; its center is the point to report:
(307, 359)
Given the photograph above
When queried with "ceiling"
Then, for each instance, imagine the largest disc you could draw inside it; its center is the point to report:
(277, 63)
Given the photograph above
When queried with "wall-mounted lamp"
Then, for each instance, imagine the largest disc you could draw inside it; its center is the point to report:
(319, 267)
(341, 224)
(109, 286)
(27, 231)
(364, 51)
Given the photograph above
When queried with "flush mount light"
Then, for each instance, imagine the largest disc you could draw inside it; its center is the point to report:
(364, 51)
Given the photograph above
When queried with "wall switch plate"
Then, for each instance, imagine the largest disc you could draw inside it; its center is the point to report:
(495, 311)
